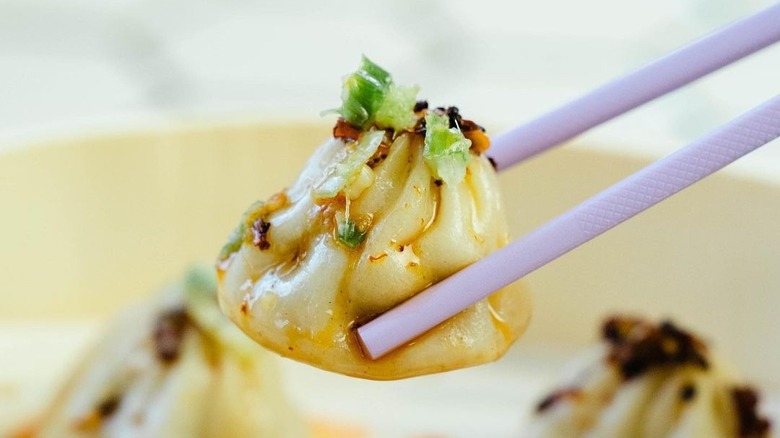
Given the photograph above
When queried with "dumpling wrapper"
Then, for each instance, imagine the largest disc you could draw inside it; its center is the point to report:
(173, 367)
(303, 295)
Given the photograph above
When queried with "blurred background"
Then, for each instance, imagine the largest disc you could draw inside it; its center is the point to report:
(91, 67)
(93, 63)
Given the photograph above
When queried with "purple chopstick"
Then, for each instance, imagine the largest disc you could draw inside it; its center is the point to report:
(584, 222)
(681, 67)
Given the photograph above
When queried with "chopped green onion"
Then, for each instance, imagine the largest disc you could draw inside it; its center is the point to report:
(234, 241)
(397, 110)
(369, 69)
(446, 149)
(200, 282)
(349, 234)
(237, 236)
(369, 95)
(340, 174)
(200, 279)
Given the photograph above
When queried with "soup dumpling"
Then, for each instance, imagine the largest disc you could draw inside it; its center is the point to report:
(400, 198)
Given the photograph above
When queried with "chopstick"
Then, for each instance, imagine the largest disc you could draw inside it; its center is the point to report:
(584, 222)
(611, 207)
(662, 76)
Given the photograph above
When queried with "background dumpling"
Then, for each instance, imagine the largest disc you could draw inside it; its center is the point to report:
(649, 381)
(173, 367)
